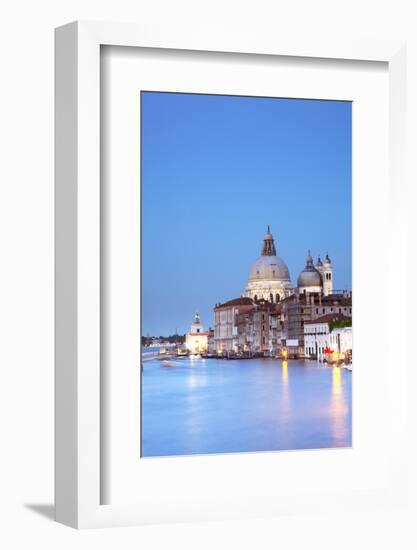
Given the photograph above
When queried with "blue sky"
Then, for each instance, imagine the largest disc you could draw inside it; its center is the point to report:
(216, 170)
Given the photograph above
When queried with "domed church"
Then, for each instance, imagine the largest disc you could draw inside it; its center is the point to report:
(269, 277)
(316, 278)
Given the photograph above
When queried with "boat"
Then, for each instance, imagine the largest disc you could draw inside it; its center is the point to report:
(167, 363)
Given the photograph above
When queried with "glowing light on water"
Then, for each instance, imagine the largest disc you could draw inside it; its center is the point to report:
(338, 405)
(337, 382)
(285, 372)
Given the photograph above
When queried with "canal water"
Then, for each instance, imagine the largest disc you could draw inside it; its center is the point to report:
(199, 406)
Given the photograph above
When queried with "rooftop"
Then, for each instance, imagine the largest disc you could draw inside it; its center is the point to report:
(242, 301)
(328, 318)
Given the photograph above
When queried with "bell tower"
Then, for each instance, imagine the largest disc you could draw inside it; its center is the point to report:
(327, 276)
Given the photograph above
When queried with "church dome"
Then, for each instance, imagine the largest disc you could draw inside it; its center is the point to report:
(310, 276)
(269, 268)
(269, 277)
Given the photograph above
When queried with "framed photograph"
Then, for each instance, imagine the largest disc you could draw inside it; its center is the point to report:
(227, 313)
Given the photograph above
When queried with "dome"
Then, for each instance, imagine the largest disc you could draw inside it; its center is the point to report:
(269, 277)
(269, 268)
(310, 276)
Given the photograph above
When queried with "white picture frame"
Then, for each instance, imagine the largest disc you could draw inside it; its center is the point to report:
(78, 259)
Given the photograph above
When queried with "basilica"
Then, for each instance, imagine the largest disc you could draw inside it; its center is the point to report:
(269, 277)
(270, 315)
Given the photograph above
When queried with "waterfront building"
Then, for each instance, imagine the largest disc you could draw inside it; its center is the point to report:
(244, 323)
(259, 326)
(320, 335)
(211, 346)
(341, 340)
(305, 307)
(196, 341)
(226, 338)
(277, 335)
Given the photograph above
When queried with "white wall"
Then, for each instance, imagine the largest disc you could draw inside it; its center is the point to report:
(26, 274)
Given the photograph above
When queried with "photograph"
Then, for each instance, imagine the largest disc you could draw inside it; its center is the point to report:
(246, 274)
(205, 209)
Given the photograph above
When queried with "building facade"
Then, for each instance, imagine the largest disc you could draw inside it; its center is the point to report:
(319, 337)
(196, 341)
(226, 337)
(340, 340)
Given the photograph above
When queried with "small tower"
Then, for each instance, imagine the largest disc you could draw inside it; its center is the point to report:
(197, 326)
(268, 246)
(327, 276)
(319, 266)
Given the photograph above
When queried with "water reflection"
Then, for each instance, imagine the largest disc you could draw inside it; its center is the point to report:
(285, 373)
(214, 406)
(338, 405)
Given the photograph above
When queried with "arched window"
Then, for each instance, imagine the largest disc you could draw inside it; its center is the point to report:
(271, 297)
(277, 298)
(255, 297)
